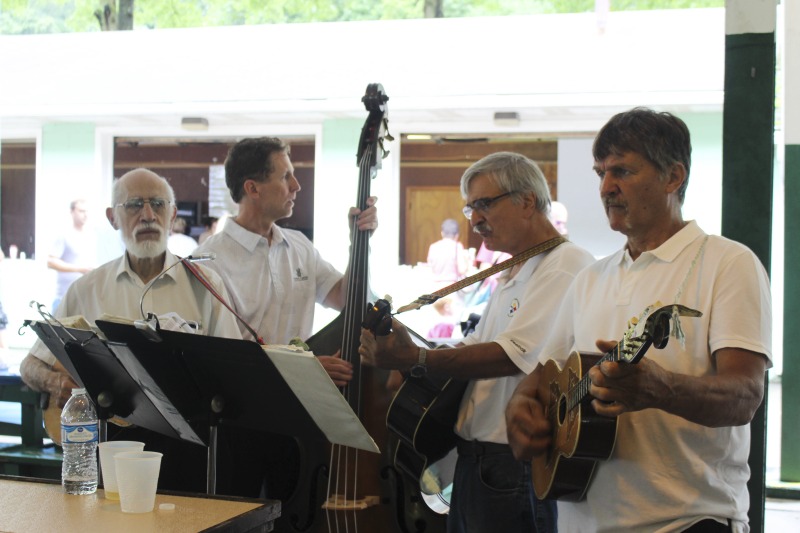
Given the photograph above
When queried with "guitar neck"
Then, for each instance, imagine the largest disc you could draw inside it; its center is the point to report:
(578, 393)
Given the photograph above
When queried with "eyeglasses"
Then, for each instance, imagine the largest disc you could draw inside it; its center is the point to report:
(482, 204)
(135, 205)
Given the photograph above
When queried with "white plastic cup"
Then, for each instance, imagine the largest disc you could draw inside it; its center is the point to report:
(137, 480)
(108, 450)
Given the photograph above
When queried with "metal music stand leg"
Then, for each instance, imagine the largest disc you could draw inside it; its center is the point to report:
(102, 430)
(211, 470)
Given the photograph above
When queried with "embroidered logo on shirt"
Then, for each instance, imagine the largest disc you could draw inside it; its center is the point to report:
(514, 307)
(299, 275)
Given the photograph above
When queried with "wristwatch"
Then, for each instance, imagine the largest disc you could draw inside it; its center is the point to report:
(419, 369)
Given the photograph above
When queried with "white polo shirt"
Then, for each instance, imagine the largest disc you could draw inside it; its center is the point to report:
(518, 317)
(664, 468)
(114, 289)
(273, 287)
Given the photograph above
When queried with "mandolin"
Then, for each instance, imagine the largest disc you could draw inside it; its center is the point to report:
(581, 437)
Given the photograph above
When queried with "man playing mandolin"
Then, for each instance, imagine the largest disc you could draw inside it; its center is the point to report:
(679, 462)
(491, 489)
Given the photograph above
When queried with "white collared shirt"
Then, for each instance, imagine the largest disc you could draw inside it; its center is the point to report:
(274, 287)
(114, 289)
(665, 470)
(519, 317)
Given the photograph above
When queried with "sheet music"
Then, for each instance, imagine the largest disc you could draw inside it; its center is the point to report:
(320, 397)
(154, 393)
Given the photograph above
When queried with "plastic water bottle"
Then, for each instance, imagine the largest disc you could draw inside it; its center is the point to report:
(79, 435)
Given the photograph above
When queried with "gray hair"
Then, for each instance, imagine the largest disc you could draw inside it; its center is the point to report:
(118, 190)
(513, 173)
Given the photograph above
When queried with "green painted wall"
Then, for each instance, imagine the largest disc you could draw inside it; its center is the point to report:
(790, 394)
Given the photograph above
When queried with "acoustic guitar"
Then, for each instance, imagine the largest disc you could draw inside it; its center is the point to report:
(581, 437)
(52, 412)
(423, 412)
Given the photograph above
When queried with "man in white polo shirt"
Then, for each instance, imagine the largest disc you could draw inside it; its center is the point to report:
(679, 462)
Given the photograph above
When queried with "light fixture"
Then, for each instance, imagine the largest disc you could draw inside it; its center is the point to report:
(194, 123)
(419, 137)
(506, 118)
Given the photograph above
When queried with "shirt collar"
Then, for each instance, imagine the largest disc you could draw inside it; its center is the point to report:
(124, 267)
(249, 240)
(672, 247)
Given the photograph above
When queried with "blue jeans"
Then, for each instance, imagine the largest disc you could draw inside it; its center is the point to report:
(493, 493)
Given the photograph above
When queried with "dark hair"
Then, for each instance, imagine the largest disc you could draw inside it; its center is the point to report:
(662, 138)
(250, 159)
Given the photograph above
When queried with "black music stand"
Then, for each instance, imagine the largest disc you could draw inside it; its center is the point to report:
(115, 390)
(235, 382)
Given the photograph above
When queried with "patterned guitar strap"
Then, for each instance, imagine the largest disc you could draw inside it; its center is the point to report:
(427, 299)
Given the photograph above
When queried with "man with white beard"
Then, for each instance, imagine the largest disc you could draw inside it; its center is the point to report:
(143, 209)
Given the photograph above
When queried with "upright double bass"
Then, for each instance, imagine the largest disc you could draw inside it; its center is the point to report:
(341, 488)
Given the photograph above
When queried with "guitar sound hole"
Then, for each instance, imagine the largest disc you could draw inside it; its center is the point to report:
(562, 410)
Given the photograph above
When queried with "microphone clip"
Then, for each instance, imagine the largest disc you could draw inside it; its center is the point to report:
(149, 327)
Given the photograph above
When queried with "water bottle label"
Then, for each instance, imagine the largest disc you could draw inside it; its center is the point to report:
(79, 433)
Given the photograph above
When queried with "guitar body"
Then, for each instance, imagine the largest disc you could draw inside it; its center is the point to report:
(52, 414)
(581, 437)
(52, 420)
(422, 415)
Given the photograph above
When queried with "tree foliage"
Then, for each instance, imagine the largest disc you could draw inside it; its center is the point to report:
(60, 16)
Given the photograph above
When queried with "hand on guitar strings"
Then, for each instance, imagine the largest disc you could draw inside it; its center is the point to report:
(619, 387)
(339, 370)
(395, 351)
(528, 429)
(366, 220)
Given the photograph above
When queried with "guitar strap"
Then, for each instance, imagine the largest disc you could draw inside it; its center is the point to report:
(427, 299)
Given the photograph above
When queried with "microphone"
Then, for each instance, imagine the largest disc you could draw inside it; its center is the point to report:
(148, 324)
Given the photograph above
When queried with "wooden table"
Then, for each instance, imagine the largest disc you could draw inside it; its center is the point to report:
(28, 504)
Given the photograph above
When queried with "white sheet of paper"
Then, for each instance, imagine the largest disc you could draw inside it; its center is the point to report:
(324, 402)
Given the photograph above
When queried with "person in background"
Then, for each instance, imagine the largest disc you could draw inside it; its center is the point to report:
(74, 252)
(444, 329)
(3, 325)
(680, 460)
(143, 209)
(178, 242)
(447, 257)
(507, 204)
(210, 223)
(558, 216)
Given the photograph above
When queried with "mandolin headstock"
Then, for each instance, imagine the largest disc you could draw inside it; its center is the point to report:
(655, 331)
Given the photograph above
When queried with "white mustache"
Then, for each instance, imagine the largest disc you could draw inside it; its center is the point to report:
(148, 227)
(481, 228)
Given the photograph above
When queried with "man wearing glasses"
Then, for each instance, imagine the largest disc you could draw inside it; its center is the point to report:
(143, 210)
(507, 204)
